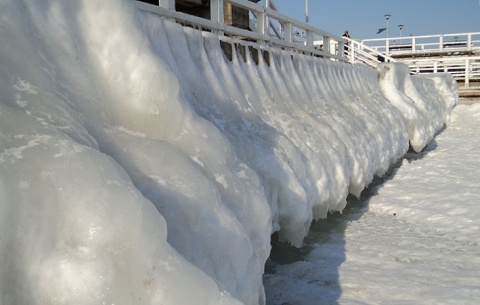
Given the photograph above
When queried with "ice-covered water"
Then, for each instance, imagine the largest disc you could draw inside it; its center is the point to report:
(138, 163)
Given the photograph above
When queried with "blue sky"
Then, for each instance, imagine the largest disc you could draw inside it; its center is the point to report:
(364, 17)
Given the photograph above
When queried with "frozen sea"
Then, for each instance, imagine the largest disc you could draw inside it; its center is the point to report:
(412, 238)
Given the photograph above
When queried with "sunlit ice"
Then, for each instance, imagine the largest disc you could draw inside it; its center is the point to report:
(138, 163)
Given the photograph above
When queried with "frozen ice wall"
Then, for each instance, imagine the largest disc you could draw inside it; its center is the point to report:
(139, 165)
(425, 101)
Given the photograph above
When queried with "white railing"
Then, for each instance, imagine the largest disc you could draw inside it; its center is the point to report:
(285, 37)
(462, 68)
(275, 29)
(466, 42)
(357, 52)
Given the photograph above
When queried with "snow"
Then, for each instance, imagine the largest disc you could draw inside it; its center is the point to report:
(411, 240)
(137, 163)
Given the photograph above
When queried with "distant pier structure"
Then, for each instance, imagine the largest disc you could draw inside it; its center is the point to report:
(456, 53)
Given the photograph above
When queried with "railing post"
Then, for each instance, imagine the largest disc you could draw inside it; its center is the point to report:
(414, 47)
(262, 26)
(309, 38)
(435, 66)
(287, 28)
(326, 44)
(440, 41)
(351, 50)
(261, 23)
(469, 42)
(467, 72)
(341, 48)
(267, 21)
(216, 11)
(216, 14)
(168, 4)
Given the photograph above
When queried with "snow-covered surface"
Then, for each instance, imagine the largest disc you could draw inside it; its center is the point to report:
(414, 241)
(138, 165)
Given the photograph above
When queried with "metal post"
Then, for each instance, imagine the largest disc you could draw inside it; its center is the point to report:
(400, 26)
(326, 44)
(216, 11)
(467, 72)
(267, 21)
(340, 48)
(352, 52)
(306, 11)
(387, 42)
(261, 23)
(288, 31)
(168, 4)
(387, 16)
(309, 38)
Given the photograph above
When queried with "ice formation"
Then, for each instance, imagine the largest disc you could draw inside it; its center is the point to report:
(139, 165)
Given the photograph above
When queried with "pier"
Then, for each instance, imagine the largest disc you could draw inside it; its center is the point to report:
(256, 24)
(266, 26)
(457, 54)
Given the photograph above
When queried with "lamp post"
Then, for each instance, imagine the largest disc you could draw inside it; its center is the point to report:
(387, 42)
(400, 27)
(387, 16)
(306, 11)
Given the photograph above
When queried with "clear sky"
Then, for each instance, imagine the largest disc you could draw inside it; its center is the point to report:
(364, 17)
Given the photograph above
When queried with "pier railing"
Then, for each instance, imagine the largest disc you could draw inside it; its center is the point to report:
(270, 27)
(462, 68)
(357, 52)
(442, 43)
(457, 54)
(291, 34)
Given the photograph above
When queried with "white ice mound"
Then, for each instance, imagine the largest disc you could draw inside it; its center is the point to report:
(425, 101)
(75, 230)
(140, 165)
